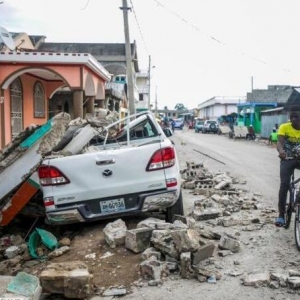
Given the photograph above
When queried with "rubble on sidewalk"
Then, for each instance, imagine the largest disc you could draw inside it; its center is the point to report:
(72, 279)
(192, 247)
(22, 286)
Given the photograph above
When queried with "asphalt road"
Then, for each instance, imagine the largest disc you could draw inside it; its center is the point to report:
(265, 250)
(255, 162)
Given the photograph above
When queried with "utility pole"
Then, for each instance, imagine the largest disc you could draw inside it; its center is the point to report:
(156, 102)
(149, 74)
(129, 75)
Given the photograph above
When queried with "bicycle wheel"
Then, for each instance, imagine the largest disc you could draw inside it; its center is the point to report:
(288, 208)
(297, 226)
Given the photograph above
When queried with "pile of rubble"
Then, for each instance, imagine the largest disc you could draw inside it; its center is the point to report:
(192, 247)
(60, 136)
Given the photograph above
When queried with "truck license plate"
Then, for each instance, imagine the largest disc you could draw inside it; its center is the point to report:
(113, 205)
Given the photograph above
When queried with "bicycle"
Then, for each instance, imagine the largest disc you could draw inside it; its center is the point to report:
(293, 205)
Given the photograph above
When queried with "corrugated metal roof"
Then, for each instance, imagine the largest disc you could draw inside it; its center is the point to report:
(272, 110)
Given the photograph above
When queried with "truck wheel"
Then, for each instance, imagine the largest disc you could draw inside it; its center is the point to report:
(176, 209)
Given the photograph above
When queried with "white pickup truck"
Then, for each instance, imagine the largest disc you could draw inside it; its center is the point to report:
(134, 173)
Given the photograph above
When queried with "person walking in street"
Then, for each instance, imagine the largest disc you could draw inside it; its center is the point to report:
(173, 125)
(273, 137)
(251, 134)
(288, 141)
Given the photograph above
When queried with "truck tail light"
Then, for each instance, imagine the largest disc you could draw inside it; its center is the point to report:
(48, 201)
(50, 175)
(171, 182)
(162, 159)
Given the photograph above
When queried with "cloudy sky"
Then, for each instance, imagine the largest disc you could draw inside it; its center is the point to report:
(200, 48)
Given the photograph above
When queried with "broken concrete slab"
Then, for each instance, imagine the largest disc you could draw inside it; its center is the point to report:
(294, 282)
(23, 286)
(163, 241)
(203, 253)
(151, 252)
(261, 279)
(185, 240)
(186, 265)
(115, 233)
(115, 291)
(153, 269)
(154, 223)
(229, 243)
(206, 214)
(72, 279)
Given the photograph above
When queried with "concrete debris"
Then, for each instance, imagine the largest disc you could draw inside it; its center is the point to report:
(185, 240)
(11, 251)
(224, 253)
(114, 291)
(138, 240)
(60, 136)
(22, 286)
(187, 247)
(153, 269)
(59, 251)
(294, 282)
(203, 253)
(151, 252)
(71, 279)
(229, 243)
(115, 233)
(106, 254)
(154, 223)
(261, 279)
(163, 241)
(186, 265)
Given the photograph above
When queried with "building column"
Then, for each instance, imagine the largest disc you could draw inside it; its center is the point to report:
(78, 104)
(2, 121)
(90, 105)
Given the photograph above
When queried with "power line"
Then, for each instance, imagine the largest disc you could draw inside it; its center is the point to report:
(86, 5)
(259, 60)
(139, 27)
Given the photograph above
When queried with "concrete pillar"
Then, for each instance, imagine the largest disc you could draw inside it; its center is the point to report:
(90, 105)
(78, 104)
(2, 121)
(101, 103)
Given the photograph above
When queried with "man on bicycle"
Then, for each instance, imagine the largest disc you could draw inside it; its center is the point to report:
(288, 140)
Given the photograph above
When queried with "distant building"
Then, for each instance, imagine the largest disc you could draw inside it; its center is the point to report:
(143, 86)
(260, 100)
(218, 106)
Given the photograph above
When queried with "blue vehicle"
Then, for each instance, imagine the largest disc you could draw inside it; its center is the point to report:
(179, 123)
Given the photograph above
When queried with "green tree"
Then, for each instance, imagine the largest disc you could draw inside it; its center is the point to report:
(180, 106)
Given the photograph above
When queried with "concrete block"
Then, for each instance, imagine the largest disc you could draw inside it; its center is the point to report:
(203, 253)
(138, 240)
(71, 279)
(185, 265)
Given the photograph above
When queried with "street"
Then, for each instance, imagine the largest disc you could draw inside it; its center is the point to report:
(266, 250)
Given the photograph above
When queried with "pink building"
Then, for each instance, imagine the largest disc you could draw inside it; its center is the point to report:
(28, 81)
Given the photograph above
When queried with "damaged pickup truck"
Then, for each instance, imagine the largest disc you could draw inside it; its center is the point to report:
(134, 172)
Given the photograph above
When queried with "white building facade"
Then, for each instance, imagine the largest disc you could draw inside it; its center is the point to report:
(218, 106)
(143, 86)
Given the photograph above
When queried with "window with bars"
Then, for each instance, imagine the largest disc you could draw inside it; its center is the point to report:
(39, 101)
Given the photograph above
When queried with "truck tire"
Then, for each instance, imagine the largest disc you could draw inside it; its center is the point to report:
(176, 209)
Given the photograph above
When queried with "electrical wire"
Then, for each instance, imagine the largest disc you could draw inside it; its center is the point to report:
(139, 27)
(214, 38)
(86, 5)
